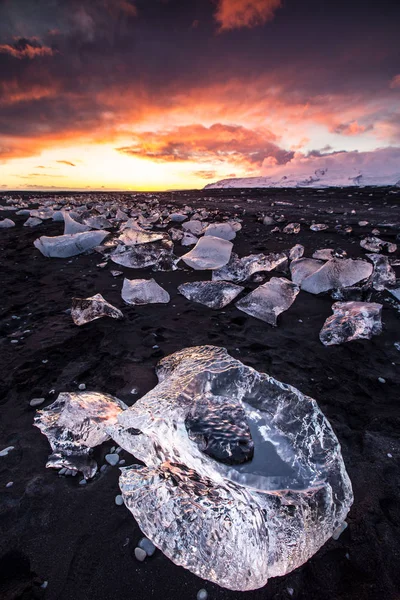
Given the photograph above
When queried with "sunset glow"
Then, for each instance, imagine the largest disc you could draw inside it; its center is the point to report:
(158, 95)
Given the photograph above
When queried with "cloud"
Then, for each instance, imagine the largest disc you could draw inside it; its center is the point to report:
(26, 48)
(218, 143)
(205, 174)
(66, 162)
(352, 128)
(235, 14)
(395, 82)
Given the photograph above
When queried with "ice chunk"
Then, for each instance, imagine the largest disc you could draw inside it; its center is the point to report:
(176, 234)
(209, 253)
(85, 310)
(241, 269)
(75, 423)
(296, 252)
(269, 300)
(292, 228)
(71, 226)
(336, 273)
(195, 227)
(375, 244)
(319, 227)
(156, 254)
(214, 294)
(383, 274)
(177, 217)
(64, 246)
(234, 524)
(33, 222)
(143, 291)
(323, 254)
(98, 222)
(224, 231)
(188, 239)
(351, 321)
(304, 267)
(6, 224)
(134, 237)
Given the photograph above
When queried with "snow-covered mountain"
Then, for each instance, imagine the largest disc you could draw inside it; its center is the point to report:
(318, 179)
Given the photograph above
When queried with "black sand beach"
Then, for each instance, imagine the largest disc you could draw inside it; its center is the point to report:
(75, 537)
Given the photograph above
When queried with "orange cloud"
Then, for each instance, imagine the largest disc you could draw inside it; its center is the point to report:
(352, 128)
(66, 162)
(26, 48)
(234, 14)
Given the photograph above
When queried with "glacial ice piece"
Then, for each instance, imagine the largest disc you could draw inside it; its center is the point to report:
(269, 300)
(336, 273)
(6, 224)
(296, 252)
(234, 524)
(134, 237)
(98, 222)
(157, 254)
(209, 253)
(74, 424)
(33, 222)
(143, 291)
(194, 226)
(188, 239)
(323, 254)
(71, 226)
(302, 268)
(351, 321)
(64, 246)
(383, 275)
(292, 228)
(214, 294)
(395, 292)
(176, 234)
(319, 227)
(225, 231)
(375, 244)
(85, 310)
(241, 269)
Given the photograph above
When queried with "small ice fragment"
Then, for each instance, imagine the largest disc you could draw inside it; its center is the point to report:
(143, 291)
(36, 402)
(241, 269)
(339, 530)
(82, 482)
(177, 217)
(292, 228)
(147, 546)
(82, 386)
(296, 252)
(351, 321)
(9, 484)
(202, 594)
(140, 554)
(268, 220)
(301, 268)
(188, 239)
(71, 226)
(112, 459)
(44, 585)
(6, 450)
(85, 310)
(116, 273)
(388, 455)
(209, 253)
(375, 244)
(224, 231)
(194, 227)
(214, 294)
(119, 500)
(6, 224)
(362, 223)
(269, 300)
(65, 246)
(103, 468)
(381, 380)
(383, 275)
(319, 227)
(33, 222)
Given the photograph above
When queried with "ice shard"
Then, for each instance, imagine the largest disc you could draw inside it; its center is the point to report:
(188, 239)
(224, 231)
(292, 228)
(296, 252)
(134, 237)
(194, 226)
(157, 254)
(85, 310)
(209, 253)
(143, 291)
(33, 222)
(74, 424)
(71, 226)
(214, 294)
(351, 321)
(269, 300)
(6, 224)
(302, 268)
(336, 273)
(319, 227)
(383, 275)
(241, 269)
(64, 246)
(375, 244)
(98, 222)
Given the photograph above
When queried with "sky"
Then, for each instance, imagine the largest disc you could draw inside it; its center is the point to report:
(168, 94)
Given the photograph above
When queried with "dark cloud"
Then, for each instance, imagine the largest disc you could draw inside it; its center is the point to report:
(66, 162)
(25, 48)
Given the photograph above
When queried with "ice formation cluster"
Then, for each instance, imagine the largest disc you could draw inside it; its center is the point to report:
(242, 476)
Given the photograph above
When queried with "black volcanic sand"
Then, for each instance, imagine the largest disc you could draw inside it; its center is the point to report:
(75, 537)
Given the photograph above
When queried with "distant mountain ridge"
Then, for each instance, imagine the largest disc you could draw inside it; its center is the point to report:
(316, 179)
